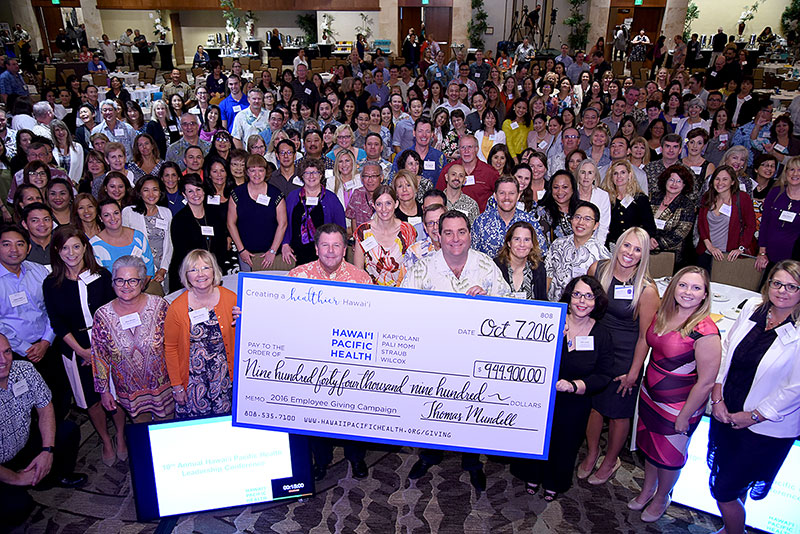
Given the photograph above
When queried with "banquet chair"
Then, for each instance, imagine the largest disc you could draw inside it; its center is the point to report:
(739, 273)
(662, 264)
(100, 79)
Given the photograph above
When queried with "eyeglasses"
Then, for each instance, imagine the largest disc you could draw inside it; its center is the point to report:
(311, 173)
(790, 288)
(199, 270)
(370, 175)
(571, 136)
(676, 181)
(286, 153)
(586, 296)
(431, 224)
(345, 136)
(130, 282)
(581, 218)
(38, 173)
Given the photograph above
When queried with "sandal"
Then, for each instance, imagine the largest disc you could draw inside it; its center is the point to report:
(531, 488)
(549, 495)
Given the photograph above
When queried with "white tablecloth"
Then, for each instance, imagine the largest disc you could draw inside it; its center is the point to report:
(128, 78)
(142, 95)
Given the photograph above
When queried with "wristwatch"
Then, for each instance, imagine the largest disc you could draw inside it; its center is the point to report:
(271, 251)
(50, 449)
(754, 416)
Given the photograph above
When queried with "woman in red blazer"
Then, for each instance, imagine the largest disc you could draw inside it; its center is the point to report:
(726, 222)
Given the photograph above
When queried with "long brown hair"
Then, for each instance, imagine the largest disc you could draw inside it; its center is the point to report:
(534, 256)
(61, 235)
(669, 307)
(710, 198)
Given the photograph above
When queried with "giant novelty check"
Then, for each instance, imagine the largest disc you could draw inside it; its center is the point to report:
(439, 370)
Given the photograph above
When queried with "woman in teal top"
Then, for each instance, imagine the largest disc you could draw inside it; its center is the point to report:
(115, 240)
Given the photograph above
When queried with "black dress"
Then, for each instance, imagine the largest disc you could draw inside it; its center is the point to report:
(571, 411)
(304, 252)
(187, 235)
(624, 329)
(66, 317)
(730, 450)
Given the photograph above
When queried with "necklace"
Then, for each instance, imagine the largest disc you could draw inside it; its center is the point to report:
(770, 323)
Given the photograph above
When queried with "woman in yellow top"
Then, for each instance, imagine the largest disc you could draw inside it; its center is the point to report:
(517, 127)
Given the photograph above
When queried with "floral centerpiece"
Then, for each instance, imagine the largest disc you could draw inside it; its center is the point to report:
(159, 29)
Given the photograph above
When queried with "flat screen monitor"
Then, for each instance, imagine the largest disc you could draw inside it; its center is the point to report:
(182, 467)
(779, 512)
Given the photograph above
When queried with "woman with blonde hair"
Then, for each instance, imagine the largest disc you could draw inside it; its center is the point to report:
(640, 152)
(632, 303)
(588, 176)
(345, 180)
(681, 372)
(629, 205)
(344, 141)
(406, 184)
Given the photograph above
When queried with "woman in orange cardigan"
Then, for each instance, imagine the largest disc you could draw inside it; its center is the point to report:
(199, 339)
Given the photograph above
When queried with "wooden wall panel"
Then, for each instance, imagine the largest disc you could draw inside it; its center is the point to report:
(255, 5)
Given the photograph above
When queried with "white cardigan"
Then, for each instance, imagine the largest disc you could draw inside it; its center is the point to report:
(499, 139)
(775, 392)
(603, 203)
(135, 220)
(75, 162)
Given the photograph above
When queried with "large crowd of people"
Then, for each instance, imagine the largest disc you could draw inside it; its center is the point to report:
(548, 180)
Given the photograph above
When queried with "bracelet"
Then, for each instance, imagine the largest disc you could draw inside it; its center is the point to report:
(177, 389)
(574, 386)
(713, 402)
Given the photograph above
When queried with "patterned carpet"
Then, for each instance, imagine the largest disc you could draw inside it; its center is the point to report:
(387, 502)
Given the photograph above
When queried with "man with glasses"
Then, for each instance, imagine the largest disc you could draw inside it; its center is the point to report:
(285, 177)
(572, 255)
(190, 126)
(480, 179)
(360, 207)
(252, 120)
(714, 102)
(570, 140)
(422, 248)
(114, 129)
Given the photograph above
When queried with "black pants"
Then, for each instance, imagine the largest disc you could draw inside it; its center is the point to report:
(470, 461)
(322, 449)
(15, 502)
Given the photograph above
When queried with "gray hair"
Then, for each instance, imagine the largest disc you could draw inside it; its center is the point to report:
(130, 261)
(696, 102)
(192, 116)
(109, 102)
(371, 164)
(41, 108)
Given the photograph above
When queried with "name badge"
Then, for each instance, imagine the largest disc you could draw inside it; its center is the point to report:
(20, 388)
(414, 221)
(136, 252)
(584, 342)
(18, 299)
(519, 295)
(623, 292)
(312, 201)
(627, 201)
(87, 277)
(519, 88)
(514, 125)
(68, 110)
(469, 180)
(161, 224)
(477, 74)
(263, 200)
(132, 320)
(207, 231)
(660, 224)
(675, 120)
(307, 91)
(198, 316)
(696, 169)
(184, 201)
(713, 74)
(429, 165)
(786, 334)
(438, 74)
(521, 206)
(352, 184)
(542, 144)
(658, 150)
(119, 132)
(214, 200)
(180, 93)
(195, 111)
(369, 243)
(787, 216)
(725, 210)
(328, 174)
(641, 166)
(748, 98)
(779, 147)
(237, 109)
(173, 128)
(297, 181)
(723, 137)
(540, 194)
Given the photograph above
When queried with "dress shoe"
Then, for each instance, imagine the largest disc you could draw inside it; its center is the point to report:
(73, 480)
(359, 469)
(651, 517)
(319, 472)
(108, 461)
(595, 480)
(582, 475)
(478, 480)
(419, 469)
(635, 505)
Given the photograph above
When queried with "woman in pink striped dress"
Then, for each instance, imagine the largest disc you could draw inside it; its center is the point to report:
(683, 365)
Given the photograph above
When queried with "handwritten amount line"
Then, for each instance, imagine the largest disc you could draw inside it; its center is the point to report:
(479, 424)
(330, 409)
(374, 391)
(377, 367)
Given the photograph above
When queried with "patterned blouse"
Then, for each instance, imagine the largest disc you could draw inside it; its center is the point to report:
(384, 265)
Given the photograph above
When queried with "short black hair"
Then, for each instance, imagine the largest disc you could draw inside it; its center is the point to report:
(33, 206)
(591, 206)
(16, 228)
(454, 214)
(435, 193)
